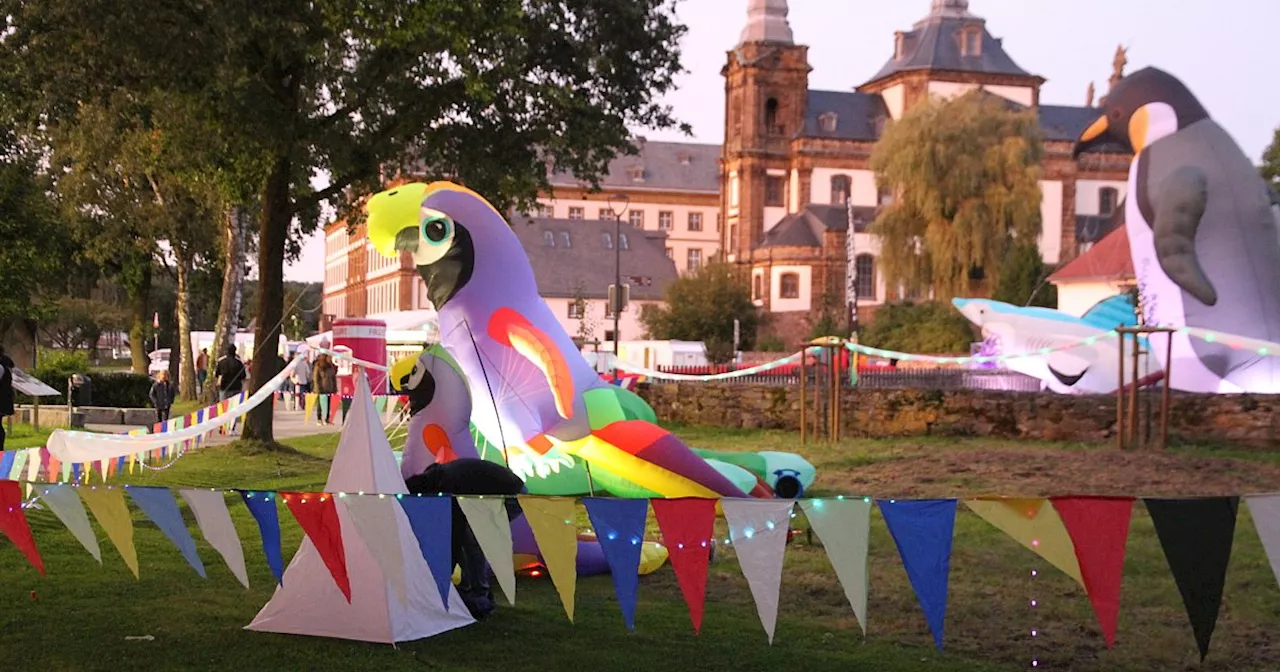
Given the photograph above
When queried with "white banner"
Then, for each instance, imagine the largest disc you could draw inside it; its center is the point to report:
(758, 528)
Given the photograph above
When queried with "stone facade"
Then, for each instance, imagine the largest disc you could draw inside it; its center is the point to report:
(1241, 420)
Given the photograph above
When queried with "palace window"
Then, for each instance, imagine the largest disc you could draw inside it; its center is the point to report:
(840, 186)
(694, 260)
(771, 125)
(866, 268)
(622, 241)
(575, 310)
(636, 173)
(774, 191)
(971, 41)
(546, 211)
(608, 240)
(636, 218)
(604, 214)
(548, 239)
(827, 122)
(1108, 198)
(665, 218)
(577, 213)
(789, 286)
(757, 287)
(884, 196)
(695, 221)
(671, 254)
(564, 239)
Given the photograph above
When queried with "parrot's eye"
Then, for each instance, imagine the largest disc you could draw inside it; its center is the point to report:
(437, 230)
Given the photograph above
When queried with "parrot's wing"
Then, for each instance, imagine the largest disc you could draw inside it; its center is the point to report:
(512, 329)
(1178, 210)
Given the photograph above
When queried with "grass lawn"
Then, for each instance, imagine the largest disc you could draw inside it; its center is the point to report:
(23, 435)
(77, 618)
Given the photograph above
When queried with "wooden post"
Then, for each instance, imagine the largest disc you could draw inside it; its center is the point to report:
(1120, 397)
(1164, 394)
(804, 378)
(1133, 396)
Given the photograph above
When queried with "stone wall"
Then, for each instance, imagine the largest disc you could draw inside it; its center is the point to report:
(1244, 420)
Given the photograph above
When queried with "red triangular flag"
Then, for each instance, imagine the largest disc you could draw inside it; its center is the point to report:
(688, 528)
(13, 523)
(1099, 529)
(318, 516)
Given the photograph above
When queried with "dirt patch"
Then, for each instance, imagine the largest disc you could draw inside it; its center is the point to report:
(1040, 472)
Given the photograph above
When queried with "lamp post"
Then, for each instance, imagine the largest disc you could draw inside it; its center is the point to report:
(618, 205)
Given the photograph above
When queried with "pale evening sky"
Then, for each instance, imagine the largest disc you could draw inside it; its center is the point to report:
(1220, 49)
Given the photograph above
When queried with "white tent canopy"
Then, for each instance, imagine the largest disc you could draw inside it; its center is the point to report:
(383, 608)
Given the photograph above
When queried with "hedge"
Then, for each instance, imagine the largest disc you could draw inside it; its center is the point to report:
(116, 390)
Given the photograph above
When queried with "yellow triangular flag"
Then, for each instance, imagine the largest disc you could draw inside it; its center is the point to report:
(487, 517)
(109, 509)
(1034, 523)
(551, 519)
(309, 408)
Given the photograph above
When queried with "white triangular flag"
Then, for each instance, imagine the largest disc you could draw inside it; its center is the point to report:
(758, 529)
(487, 517)
(63, 501)
(844, 526)
(1265, 511)
(376, 521)
(214, 521)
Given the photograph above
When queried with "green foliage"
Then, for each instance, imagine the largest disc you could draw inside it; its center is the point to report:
(1270, 168)
(702, 306)
(80, 323)
(33, 254)
(58, 365)
(830, 319)
(925, 328)
(771, 344)
(121, 390)
(1024, 280)
(965, 173)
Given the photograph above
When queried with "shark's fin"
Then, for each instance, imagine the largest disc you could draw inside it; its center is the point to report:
(512, 329)
(1107, 314)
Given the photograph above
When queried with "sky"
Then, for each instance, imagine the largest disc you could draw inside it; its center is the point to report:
(1216, 48)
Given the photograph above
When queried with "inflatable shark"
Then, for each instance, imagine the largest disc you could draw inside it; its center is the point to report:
(1088, 369)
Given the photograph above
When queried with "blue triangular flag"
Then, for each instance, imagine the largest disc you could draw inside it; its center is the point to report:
(619, 526)
(263, 507)
(75, 471)
(6, 463)
(162, 509)
(431, 519)
(922, 530)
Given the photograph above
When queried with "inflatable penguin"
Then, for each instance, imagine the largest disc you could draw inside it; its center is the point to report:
(1202, 231)
(439, 410)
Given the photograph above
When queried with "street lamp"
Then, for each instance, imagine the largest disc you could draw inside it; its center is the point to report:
(618, 205)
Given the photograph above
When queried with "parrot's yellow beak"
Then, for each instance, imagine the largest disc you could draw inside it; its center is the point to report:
(391, 212)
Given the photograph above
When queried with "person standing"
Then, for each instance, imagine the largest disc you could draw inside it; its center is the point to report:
(302, 382)
(230, 372)
(470, 476)
(325, 378)
(202, 369)
(162, 396)
(6, 392)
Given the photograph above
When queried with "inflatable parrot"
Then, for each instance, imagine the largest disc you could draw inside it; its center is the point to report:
(543, 404)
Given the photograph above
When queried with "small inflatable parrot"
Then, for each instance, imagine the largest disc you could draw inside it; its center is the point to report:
(439, 410)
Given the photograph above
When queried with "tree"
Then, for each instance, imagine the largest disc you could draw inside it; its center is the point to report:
(1025, 279)
(587, 322)
(923, 328)
(79, 323)
(487, 93)
(33, 256)
(965, 173)
(702, 306)
(1270, 168)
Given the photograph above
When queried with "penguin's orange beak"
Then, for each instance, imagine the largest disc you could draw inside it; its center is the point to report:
(1093, 136)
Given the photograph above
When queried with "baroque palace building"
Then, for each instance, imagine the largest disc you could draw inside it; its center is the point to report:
(793, 157)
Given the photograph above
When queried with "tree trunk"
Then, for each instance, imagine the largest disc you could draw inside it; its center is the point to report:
(277, 217)
(140, 304)
(187, 364)
(232, 294)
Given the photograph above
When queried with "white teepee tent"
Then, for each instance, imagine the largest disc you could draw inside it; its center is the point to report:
(310, 603)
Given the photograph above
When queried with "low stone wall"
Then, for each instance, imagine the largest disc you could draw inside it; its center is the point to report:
(1245, 420)
(56, 416)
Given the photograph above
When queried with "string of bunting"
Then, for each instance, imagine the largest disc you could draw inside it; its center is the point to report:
(1082, 536)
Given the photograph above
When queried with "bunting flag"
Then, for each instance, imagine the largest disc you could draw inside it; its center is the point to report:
(13, 523)
(63, 501)
(317, 514)
(1099, 529)
(687, 527)
(214, 521)
(19, 464)
(1196, 535)
(346, 407)
(551, 519)
(374, 518)
(431, 519)
(159, 505)
(323, 401)
(619, 526)
(263, 507)
(6, 462)
(1035, 525)
(922, 530)
(309, 409)
(758, 529)
(844, 527)
(487, 518)
(380, 404)
(109, 509)
(1265, 510)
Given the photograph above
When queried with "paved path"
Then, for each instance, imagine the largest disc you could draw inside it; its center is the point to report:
(288, 425)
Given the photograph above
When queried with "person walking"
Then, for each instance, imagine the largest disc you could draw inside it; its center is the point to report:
(162, 396)
(301, 383)
(470, 476)
(6, 392)
(324, 376)
(230, 372)
(202, 369)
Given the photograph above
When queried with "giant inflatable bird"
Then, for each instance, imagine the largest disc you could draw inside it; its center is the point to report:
(543, 401)
(1203, 235)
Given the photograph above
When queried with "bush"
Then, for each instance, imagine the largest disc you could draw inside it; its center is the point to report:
(56, 366)
(771, 344)
(122, 390)
(924, 328)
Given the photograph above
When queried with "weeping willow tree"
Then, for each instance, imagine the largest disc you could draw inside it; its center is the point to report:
(965, 173)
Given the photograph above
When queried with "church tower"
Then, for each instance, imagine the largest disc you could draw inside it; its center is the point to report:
(766, 79)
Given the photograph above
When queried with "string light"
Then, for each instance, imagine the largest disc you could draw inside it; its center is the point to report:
(1035, 632)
